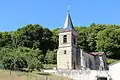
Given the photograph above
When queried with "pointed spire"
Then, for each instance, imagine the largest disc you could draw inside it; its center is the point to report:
(68, 23)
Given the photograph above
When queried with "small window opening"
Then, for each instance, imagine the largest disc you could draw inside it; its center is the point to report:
(65, 52)
(65, 39)
(102, 78)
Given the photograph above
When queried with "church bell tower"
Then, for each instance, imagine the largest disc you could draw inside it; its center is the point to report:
(67, 50)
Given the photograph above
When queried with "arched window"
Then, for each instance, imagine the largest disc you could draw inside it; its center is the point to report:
(65, 39)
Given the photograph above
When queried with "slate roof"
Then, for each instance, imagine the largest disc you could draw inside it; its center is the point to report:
(68, 24)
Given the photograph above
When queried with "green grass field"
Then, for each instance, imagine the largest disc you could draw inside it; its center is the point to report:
(16, 75)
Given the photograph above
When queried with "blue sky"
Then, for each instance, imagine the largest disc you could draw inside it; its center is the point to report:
(51, 13)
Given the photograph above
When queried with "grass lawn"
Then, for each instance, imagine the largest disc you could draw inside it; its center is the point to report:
(16, 75)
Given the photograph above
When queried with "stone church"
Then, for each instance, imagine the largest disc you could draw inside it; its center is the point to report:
(69, 56)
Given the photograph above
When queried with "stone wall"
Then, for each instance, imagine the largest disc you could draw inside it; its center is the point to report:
(82, 74)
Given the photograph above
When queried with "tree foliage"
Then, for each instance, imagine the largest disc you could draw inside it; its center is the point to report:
(32, 45)
(51, 57)
(100, 37)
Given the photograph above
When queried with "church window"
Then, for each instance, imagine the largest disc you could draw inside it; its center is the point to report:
(65, 51)
(65, 39)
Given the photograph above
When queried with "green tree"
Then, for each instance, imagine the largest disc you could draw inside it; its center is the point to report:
(55, 38)
(51, 57)
(82, 38)
(108, 41)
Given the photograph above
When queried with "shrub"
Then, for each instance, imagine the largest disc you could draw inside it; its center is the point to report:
(111, 61)
(49, 66)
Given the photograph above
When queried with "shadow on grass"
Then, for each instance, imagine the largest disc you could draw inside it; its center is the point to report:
(44, 74)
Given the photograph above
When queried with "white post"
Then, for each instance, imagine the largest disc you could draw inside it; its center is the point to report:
(82, 59)
(101, 67)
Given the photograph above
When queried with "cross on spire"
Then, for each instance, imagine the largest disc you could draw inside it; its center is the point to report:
(69, 5)
(68, 25)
